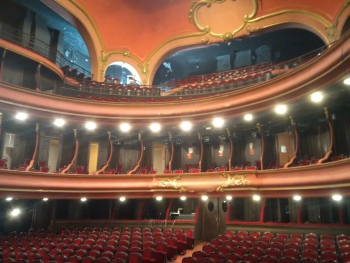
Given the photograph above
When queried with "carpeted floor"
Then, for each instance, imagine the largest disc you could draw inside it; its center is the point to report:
(188, 253)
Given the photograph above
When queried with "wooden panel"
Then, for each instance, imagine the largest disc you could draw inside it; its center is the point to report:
(18, 151)
(285, 147)
(44, 147)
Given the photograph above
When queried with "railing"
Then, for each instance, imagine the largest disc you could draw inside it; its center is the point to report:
(199, 86)
(33, 44)
(194, 85)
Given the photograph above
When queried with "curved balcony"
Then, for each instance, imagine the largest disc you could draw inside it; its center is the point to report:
(318, 72)
(309, 181)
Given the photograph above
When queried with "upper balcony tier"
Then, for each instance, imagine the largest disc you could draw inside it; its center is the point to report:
(317, 73)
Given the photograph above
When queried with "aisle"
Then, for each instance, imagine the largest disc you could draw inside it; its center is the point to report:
(188, 253)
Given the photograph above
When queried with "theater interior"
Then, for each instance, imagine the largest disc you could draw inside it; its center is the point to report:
(175, 130)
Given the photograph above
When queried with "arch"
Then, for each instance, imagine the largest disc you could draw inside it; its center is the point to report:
(346, 26)
(258, 35)
(129, 67)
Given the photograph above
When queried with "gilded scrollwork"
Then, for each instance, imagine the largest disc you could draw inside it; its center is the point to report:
(170, 183)
(236, 180)
(226, 36)
(126, 54)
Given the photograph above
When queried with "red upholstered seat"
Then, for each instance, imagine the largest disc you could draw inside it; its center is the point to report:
(161, 252)
(172, 247)
(148, 255)
(223, 249)
(208, 248)
(189, 260)
(216, 242)
(199, 255)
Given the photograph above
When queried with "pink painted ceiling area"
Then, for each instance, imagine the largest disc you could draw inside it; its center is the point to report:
(143, 26)
(139, 26)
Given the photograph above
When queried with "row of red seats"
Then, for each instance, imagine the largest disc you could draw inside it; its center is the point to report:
(273, 248)
(207, 87)
(223, 75)
(141, 100)
(100, 246)
(120, 89)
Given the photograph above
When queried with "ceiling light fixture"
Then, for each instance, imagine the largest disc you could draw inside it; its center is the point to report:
(122, 199)
(297, 197)
(228, 197)
(204, 197)
(256, 197)
(337, 197)
(347, 81)
(15, 212)
(59, 122)
(155, 127)
(281, 109)
(218, 122)
(8, 199)
(45, 199)
(317, 96)
(248, 117)
(83, 199)
(183, 198)
(125, 127)
(159, 198)
(90, 125)
(186, 126)
(21, 116)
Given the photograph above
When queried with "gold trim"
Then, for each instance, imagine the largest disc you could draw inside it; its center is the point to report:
(151, 190)
(332, 31)
(236, 180)
(194, 7)
(196, 4)
(316, 16)
(165, 183)
(346, 4)
(104, 58)
(255, 29)
(88, 17)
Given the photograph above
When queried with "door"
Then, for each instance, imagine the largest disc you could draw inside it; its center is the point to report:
(93, 157)
(285, 150)
(213, 218)
(159, 157)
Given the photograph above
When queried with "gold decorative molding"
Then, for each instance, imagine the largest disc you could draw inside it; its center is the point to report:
(105, 56)
(88, 17)
(250, 19)
(236, 180)
(165, 183)
(197, 4)
(332, 31)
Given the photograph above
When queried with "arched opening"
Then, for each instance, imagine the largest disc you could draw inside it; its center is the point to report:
(346, 26)
(270, 46)
(124, 72)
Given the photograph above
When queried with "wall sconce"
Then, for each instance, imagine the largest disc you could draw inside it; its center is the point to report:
(221, 150)
(251, 149)
(190, 152)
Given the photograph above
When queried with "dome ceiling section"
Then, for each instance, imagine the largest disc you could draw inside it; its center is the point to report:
(144, 31)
